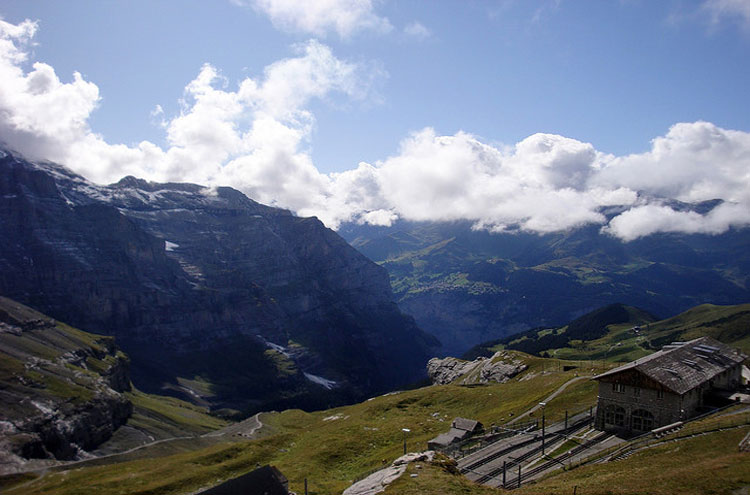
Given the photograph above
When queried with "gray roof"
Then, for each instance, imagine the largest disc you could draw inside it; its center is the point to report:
(466, 424)
(682, 366)
(445, 439)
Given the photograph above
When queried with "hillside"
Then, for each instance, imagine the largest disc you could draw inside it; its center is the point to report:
(469, 286)
(334, 447)
(66, 393)
(621, 333)
(217, 299)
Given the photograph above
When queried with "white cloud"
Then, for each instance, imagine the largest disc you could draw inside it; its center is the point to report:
(417, 30)
(650, 219)
(318, 17)
(255, 137)
(732, 10)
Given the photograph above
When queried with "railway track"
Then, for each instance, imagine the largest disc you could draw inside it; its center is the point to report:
(558, 460)
(484, 478)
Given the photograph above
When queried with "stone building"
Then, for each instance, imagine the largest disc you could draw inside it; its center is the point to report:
(668, 386)
(461, 428)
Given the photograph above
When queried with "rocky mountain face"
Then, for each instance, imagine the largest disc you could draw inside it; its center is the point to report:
(466, 286)
(214, 297)
(500, 368)
(60, 389)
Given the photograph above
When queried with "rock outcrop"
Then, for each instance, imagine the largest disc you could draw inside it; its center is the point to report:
(379, 480)
(500, 368)
(198, 282)
(60, 388)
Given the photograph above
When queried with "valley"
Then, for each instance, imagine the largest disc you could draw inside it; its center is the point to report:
(468, 286)
(333, 448)
(218, 335)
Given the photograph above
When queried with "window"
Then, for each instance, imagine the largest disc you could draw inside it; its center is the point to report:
(642, 420)
(618, 387)
(614, 415)
(660, 394)
(637, 391)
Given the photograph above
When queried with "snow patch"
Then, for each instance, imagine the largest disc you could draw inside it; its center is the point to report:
(319, 380)
(170, 246)
(276, 347)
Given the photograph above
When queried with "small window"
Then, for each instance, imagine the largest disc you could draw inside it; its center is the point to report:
(637, 391)
(618, 387)
(660, 394)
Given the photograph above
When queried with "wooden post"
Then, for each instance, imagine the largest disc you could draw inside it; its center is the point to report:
(305, 486)
(503, 474)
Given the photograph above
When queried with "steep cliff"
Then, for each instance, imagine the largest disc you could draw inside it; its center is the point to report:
(213, 296)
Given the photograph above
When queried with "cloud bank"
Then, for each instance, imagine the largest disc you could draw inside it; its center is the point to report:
(256, 136)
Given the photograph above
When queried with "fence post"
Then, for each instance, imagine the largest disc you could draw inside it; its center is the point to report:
(519, 476)
(503, 474)
(305, 486)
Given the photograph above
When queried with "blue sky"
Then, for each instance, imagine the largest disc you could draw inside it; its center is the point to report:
(425, 91)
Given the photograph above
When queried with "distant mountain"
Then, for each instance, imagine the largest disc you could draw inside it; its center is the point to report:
(468, 286)
(624, 333)
(216, 298)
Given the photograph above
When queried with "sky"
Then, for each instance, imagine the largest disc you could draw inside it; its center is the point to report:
(518, 115)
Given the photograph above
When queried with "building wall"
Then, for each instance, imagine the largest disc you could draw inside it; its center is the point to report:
(665, 408)
(632, 392)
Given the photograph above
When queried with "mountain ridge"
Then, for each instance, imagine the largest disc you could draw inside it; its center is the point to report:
(174, 270)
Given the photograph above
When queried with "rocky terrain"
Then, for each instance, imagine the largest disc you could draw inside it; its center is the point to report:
(468, 286)
(499, 368)
(216, 298)
(61, 389)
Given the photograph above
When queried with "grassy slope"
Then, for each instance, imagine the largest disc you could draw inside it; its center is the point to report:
(164, 417)
(700, 465)
(331, 448)
(729, 324)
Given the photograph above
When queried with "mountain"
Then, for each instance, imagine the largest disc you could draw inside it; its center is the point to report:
(215, 298)
(623, 333)
(468, 286)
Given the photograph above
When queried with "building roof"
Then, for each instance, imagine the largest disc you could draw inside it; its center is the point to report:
(682, 366)
(266, 480)
(445, 439)
(466, 424)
